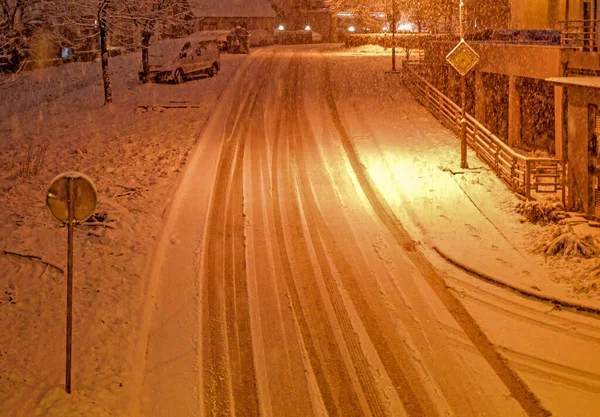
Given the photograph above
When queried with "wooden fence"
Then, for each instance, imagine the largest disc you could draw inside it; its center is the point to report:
(579, 34)
(523, 174)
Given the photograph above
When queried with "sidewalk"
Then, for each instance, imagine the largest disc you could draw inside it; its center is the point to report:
(497, 250)
(467, 216)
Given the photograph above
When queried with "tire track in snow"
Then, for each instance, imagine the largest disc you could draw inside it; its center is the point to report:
(551, 371)
(424, 345)
(573, 332)
(522, 313)
(316, 225)
(229, 377)
(283, 386)
(513, 382)
(391, 350)
(317, 334)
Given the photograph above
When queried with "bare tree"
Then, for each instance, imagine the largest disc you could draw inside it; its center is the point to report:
(18, 19)
(103, 27)
(433, 15)
(84, 24)
(367, 12)
(430, 14)
(371, 13)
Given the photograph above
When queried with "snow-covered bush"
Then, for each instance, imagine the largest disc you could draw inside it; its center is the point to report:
(541, 212)
(564, 241)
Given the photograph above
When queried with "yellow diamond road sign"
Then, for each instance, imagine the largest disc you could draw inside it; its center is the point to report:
(463, 58)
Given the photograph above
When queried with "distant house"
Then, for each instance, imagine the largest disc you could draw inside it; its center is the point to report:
(227, 14)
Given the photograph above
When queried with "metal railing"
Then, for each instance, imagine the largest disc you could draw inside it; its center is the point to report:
(579, 34)
(523, 174)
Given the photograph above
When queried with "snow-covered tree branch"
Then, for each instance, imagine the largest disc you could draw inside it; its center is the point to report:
(18, 18)
(85, 23)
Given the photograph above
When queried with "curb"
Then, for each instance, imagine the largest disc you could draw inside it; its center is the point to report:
(556, 301)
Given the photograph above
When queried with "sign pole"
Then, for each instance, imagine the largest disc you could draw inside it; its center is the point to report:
(463, 97)
(71, 201)
(71, 198)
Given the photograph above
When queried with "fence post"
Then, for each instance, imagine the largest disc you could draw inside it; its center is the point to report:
(564, 182)
(512, 173)
(527, 180)
(497, 161)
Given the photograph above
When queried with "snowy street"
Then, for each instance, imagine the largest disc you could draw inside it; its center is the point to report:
(286, 282)
(267, 242)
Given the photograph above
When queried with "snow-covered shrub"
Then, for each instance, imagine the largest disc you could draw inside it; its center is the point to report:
(564, 241)
(541, 212)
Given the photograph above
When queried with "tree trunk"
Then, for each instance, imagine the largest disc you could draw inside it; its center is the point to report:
(145, 58)
(104, 53)
(393, 36)
(15, 55)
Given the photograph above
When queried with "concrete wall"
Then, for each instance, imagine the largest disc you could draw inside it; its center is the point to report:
(580, 125)
(532, 61)
(541, 14)
(587, 60)
(488, 14)
(578, 133)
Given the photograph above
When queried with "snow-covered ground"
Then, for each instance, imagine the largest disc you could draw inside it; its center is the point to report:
(53, 120)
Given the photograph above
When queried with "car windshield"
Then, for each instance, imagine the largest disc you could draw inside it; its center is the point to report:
(185, 50)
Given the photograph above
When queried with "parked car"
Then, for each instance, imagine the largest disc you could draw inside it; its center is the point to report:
(260, 37)
(178, 60)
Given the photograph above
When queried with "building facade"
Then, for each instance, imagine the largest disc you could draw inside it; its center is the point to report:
(227, 14)
(537, 84)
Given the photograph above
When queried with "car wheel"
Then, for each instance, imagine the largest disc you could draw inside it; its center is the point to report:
(179, 76)
(214, 70)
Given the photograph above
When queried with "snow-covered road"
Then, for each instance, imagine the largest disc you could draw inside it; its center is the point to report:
(285, 283)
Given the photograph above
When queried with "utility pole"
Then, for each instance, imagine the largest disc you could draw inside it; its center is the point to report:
(463, 58)
(463, 98)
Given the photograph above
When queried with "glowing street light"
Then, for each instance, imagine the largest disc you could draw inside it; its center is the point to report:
(281, 27)
(307, 28)
(351, 29)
